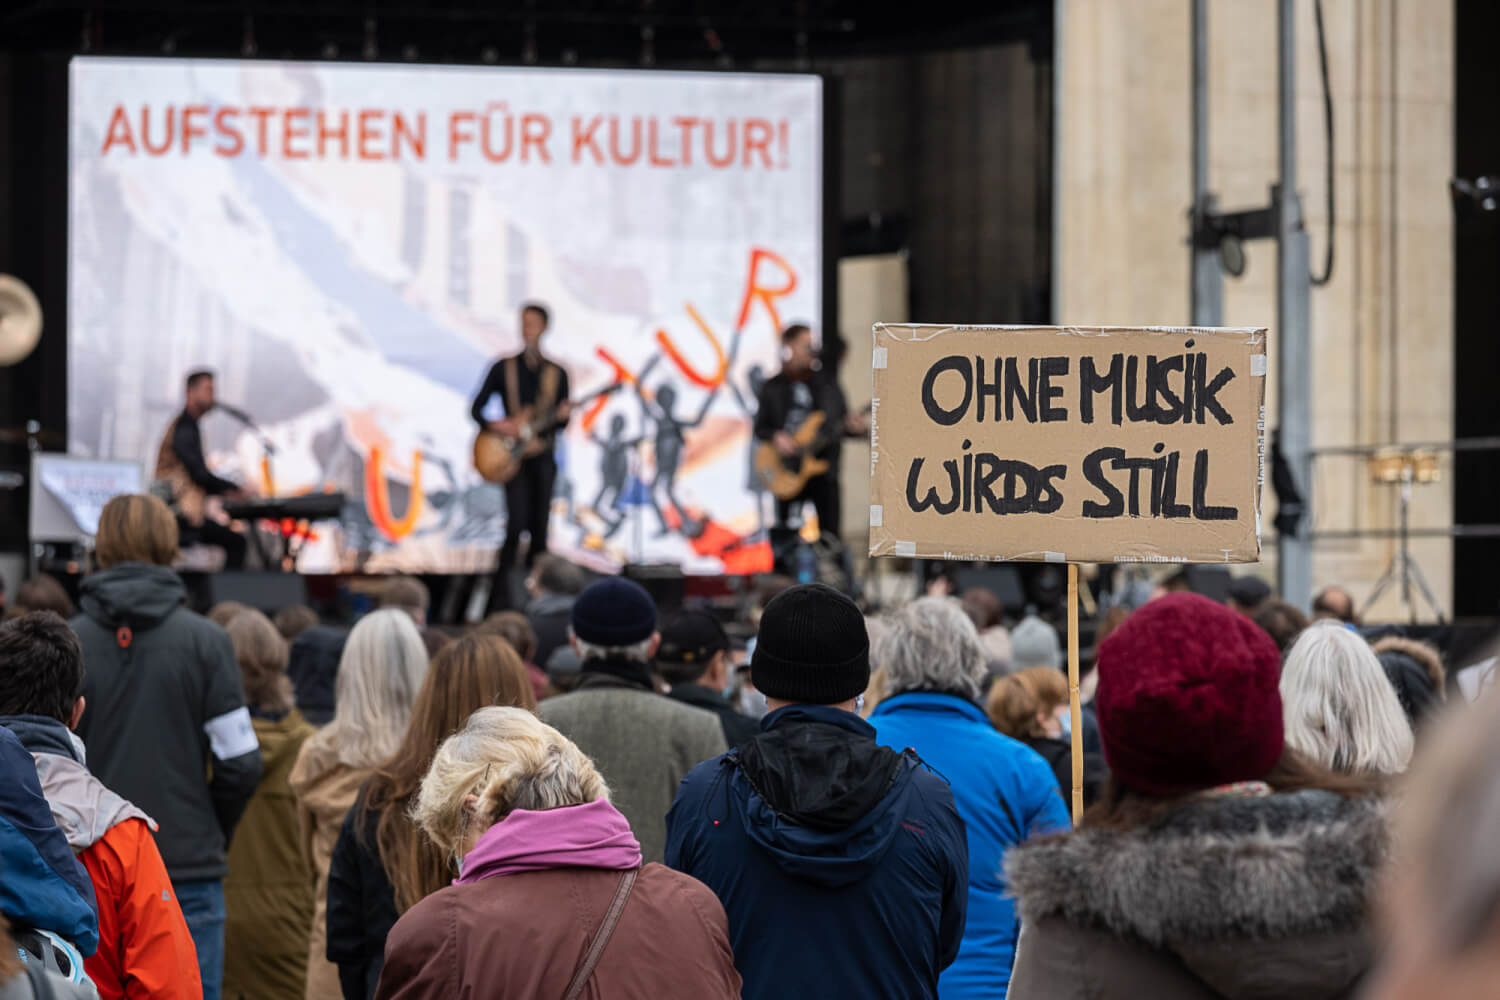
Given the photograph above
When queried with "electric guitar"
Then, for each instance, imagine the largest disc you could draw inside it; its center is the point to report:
(785, 476)
(498, 457)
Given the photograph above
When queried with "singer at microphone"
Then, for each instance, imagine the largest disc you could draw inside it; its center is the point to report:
(180, 465)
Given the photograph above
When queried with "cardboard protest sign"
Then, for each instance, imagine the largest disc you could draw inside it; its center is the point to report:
(1067, 444)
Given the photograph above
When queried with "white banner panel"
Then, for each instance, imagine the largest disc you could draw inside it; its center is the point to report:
(348, 246)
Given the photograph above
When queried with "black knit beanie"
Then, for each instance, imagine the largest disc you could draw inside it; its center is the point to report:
(812, 647)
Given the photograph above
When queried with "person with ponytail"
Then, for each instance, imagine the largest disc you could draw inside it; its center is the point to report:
(383, 864)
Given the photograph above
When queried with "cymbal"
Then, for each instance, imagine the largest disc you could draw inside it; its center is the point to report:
(20, 320)
(18, 435)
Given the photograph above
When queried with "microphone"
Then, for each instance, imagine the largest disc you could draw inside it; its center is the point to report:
(244, 418)
(236, 413)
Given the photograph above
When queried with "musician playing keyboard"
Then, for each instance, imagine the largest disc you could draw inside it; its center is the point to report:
(181, 465)
(786, 400)
(528, 385)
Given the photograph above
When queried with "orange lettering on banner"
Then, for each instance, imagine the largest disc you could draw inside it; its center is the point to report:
(535, 136)
(146, 131)
(288, 133)
(341, 133)
(762, 128)
(417, 139)
(686, 124)
(224, 128)
(768, 294)
(622, 374)
(614, 141)
(657, 160)
(261, 115)
(585, 137)
(189, 130)
(378, 497)
(688, 371)
(369, 131)
(455, 137)
(708, 144)
(118, 131)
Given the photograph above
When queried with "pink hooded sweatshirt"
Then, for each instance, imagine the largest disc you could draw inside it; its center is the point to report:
(593, 835)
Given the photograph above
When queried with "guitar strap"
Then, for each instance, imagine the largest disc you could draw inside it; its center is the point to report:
(546, 395)
(512, 387)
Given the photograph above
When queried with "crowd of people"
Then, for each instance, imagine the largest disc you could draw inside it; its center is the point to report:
(591, 798)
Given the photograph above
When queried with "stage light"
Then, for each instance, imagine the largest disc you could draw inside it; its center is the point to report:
(409, 52)
(489, 54)
(330, 50)
(248, 47)
(372, 46)
(570, 57)
(648, 45)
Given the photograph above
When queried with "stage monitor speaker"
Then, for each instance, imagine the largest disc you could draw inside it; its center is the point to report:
(1001, 580)
(663, 581)
(264, 591)
(1209, 580)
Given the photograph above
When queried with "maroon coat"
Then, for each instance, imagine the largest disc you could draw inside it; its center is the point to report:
(524, 935)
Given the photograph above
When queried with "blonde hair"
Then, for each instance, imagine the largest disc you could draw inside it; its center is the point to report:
(380, 671)
(1015, 700)
(510, 760)
(1339, 707)
(136, 527)
(262, 656)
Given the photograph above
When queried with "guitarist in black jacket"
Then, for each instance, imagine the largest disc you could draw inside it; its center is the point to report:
(526, 382)
(804, 387)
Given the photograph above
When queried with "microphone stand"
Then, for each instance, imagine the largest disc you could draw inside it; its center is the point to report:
(267, 447)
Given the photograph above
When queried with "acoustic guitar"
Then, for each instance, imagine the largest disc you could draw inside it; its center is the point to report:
(785, 476)
(498, 457)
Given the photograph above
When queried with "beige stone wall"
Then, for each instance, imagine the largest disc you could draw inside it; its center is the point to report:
(1383, 328)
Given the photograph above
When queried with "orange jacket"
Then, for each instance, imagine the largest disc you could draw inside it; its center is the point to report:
(145, 949)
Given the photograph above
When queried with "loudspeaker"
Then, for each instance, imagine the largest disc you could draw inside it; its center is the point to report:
(1001, 580)
(1209, 580)
(265, 591)
(663, 581)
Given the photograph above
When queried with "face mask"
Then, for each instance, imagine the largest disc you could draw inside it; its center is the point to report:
(1065, 718)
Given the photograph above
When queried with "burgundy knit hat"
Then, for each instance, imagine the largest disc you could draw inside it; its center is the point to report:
(1188, 697)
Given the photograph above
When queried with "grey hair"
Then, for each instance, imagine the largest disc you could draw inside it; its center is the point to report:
(640, 652)
(931, 645)
(381, 668)
(508, 759)
(1339, 707)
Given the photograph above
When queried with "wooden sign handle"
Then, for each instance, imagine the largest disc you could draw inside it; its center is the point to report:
(1075, 706)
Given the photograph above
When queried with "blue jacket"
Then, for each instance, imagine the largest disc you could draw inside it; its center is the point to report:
(841, 864)
(42, 885)
(1006, 794)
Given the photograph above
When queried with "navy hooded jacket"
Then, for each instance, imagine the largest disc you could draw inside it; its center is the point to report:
(42, 885)
(842, 864)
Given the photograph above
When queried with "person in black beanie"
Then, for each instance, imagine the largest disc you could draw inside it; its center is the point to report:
(854, 852)
(643, 743)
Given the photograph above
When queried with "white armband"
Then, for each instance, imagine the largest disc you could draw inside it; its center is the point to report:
(231, 735)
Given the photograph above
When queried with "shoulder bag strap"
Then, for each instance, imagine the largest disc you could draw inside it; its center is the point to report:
(601, 938)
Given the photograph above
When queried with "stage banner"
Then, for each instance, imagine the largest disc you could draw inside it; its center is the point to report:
(348, 248)
(1068, 444)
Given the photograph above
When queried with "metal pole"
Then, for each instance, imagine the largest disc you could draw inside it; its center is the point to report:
(1292, 338)
(1208, 275)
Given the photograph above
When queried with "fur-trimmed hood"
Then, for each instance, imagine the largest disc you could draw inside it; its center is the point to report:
(1258, 896)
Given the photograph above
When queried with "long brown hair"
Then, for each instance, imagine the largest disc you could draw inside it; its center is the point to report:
(466, 675)
(1121, 808)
